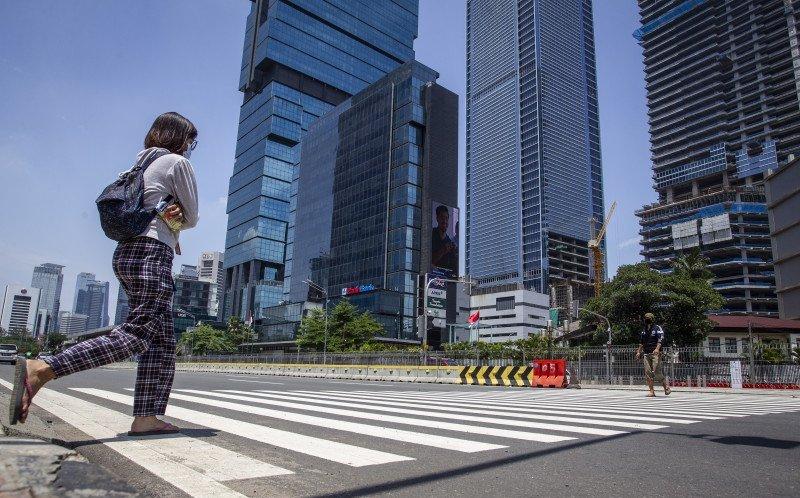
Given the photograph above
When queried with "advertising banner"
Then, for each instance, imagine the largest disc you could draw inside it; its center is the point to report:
(444, 240)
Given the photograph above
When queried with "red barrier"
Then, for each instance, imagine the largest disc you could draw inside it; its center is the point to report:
(549, 373)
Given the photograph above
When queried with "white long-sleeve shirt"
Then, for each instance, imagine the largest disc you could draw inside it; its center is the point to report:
(170, 174)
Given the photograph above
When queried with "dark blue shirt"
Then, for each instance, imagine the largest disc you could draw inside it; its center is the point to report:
(651, 337)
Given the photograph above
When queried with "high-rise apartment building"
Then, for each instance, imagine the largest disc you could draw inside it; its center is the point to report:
(20, 309)
(81, 288)
(97, 305)
(210, 269)
(534, 175)
(722, 80)
(49, 279)
(378, 174)
(123, 306)
(300, 59)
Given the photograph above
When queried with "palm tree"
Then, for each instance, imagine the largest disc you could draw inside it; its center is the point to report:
(693, 265)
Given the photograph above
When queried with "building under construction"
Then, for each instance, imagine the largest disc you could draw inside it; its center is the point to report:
(722, 87)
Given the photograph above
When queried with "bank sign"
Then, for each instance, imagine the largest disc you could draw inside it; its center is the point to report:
(358, 289)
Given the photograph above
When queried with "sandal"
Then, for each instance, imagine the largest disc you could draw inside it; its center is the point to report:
(17, 413)
(667, 391)
(651, 395)
(167, 428)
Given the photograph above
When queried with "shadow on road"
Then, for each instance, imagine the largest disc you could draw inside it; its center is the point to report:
(447, 474)
(763, 442)
(195, 433)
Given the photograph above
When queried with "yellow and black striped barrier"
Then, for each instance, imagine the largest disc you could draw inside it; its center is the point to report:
(497, 376)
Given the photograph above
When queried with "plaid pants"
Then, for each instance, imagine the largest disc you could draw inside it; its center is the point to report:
(144, 269)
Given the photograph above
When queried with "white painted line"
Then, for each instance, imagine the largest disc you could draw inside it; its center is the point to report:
(256, 381)
(187, 474)
(347, 454)
(427, 423)
(582, 408)
(458, 410)
(429, 415)
(424, 439)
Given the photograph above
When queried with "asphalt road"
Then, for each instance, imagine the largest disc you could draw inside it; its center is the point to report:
(282, 436)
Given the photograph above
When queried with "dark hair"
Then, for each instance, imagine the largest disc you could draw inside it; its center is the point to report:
(170, 131)
(442, 209)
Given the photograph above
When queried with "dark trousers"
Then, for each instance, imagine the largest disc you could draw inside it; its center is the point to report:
(144, 269)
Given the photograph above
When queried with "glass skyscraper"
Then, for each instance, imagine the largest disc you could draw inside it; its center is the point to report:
(300, 59)
(373, 172)
(49, 279)
(534, 175)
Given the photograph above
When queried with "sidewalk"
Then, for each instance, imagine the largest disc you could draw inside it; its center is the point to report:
(32, 466)
(787, 393)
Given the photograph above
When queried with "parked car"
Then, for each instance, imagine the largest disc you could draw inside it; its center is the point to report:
(8, 353)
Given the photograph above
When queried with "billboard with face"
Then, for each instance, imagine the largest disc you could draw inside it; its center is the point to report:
(444, 240)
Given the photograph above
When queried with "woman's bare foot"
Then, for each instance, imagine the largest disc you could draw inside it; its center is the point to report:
(39, 373)
(152, 423)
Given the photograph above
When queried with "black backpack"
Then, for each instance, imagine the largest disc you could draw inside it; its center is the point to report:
(121, 205)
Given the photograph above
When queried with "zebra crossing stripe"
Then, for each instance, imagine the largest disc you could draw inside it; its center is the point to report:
(429, 415)
(607, 409)
(427, 423)
(433, 440)
(537, 414)
(189, 473)
(346, 454)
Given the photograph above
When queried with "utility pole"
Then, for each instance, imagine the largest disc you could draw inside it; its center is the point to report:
(608, 344)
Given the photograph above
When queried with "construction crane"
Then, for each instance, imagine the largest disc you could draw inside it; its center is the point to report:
(597, 251)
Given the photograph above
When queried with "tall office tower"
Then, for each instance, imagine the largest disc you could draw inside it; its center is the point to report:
(210, 269)
(534, 177)
(123, 306)
(49, 279)
(81, 288)
(20, 309)
(301, 58)
(378, 178)
(722, 87)
(97, 305)
(71, 324)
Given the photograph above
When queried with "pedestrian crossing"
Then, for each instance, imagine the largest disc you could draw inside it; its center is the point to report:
(271, 433)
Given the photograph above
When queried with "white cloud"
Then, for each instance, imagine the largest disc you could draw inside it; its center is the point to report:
(628, 242)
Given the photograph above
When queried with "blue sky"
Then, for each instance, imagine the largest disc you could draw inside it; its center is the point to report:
(82, 81)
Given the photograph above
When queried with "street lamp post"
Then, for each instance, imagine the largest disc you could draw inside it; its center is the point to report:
(325, 340)
(608, 344)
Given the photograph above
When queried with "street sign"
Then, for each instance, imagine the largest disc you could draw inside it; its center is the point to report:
(436, 302)
(437, 313)
(440, 293)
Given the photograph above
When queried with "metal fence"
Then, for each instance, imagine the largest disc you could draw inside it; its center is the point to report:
(686, 366)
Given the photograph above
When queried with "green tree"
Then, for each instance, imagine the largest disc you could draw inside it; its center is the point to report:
(54, 341)
(238, 332)
(680, 302)
(692, 265)
(205, 339)
(348, 330)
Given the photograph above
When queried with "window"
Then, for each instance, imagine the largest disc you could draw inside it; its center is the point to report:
(730, 345)
(745, 345)
(505, 303)
(714, 344)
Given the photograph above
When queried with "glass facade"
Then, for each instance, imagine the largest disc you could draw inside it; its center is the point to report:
(49, 280)
(300, 59)
(364, 181)
(534, 174)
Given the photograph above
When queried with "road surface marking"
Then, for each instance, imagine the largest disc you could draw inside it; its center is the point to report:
(347, 454)
(431, 424)
(189, 473)
(458, 410)
(256, 381)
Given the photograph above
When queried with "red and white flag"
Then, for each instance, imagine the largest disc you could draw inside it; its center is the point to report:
(474, 318)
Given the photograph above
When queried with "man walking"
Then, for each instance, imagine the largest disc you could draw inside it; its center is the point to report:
(650, 342)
